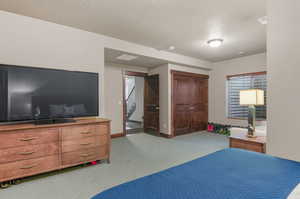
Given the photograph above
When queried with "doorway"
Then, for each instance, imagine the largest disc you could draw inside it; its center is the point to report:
(141, 103)
(134, 102)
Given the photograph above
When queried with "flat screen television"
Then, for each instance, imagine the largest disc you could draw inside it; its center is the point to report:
(32, 94)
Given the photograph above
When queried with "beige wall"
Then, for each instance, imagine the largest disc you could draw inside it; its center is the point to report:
(28, 42)
(218, 102)
(33, 42)
(283, 46)
(37, 43)
(113, 81)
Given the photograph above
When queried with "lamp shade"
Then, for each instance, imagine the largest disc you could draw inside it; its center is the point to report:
(252, 97)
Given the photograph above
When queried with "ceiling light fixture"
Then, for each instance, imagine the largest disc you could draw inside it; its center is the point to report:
(172, 48)
(263, 20)
(126, 57)
(215, 43)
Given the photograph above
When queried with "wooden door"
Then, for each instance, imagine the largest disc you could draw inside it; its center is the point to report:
(189, 102)
(199, 104)
(151, 104)
(181, 97)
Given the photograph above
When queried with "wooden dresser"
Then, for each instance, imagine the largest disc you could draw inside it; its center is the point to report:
(28, 149)
(241, 141)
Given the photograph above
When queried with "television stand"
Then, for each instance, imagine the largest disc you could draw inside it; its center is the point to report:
(54, 121)
(28, 149)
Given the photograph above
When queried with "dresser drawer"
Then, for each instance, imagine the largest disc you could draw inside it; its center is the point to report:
(83, 143)
(28, 137)
(84, 155)
(28, 167)
(102, 129)
(78, 132)
(28, 152)
(82, 131)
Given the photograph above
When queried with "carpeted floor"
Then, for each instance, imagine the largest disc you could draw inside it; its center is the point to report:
(132, 157)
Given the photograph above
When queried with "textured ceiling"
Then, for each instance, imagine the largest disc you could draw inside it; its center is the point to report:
(187, 25)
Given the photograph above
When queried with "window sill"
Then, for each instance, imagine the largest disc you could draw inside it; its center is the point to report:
(236, 118)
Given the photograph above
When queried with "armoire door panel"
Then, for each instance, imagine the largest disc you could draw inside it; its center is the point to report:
(198, 120)
(182, 119)
(182, 87)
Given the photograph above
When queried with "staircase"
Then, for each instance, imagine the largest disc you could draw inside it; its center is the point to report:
(131, 104)
(131, 110)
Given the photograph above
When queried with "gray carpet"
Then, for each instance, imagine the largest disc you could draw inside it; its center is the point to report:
(132, 157)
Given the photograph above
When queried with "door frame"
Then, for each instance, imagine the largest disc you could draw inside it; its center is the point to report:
(129, 73)
(187, 74)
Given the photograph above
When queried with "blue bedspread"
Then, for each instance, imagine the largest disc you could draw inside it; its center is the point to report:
(226, 174)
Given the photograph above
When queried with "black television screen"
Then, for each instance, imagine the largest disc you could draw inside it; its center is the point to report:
(28, 93)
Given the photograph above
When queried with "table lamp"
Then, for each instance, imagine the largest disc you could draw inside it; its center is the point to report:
(251, 98)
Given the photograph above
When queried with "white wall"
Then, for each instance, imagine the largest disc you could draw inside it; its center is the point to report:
(217, 96)
(283, 47)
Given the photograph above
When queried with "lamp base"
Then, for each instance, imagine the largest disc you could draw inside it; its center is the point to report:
(251, 136)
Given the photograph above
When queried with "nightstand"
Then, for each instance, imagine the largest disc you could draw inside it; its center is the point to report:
(241, 141)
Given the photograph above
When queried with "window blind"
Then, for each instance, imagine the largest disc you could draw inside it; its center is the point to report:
(243, 82)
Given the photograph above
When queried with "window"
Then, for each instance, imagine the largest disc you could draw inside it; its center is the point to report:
(235, 83)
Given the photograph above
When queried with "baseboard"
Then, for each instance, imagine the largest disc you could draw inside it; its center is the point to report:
(166, 135)
(117, 135)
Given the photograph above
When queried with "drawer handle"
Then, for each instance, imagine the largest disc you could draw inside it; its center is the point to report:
(26, 153)
(28, 167)
(85, 144)
(86, 155)
(87, 132)
(28, 139)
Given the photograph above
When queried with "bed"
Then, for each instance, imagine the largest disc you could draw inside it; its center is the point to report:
(226, 174)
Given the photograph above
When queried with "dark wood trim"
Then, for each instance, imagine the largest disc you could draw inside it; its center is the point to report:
(247, 74)
(166, 135)
(117, 135)
(175, 72)
(138, 74)
(124, 105)
(172, 104)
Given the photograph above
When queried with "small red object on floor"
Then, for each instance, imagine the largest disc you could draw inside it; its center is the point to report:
(210, 128)
(94, 162)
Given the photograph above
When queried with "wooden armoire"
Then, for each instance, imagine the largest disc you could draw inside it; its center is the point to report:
(189, 102)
